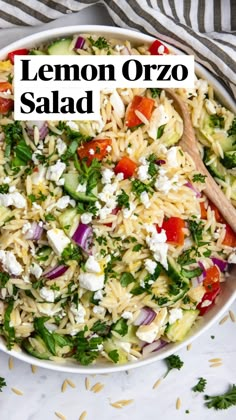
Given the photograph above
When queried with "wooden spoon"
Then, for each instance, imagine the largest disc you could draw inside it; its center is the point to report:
(188, 143)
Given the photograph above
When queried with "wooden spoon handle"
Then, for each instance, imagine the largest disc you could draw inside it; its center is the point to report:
(189, 145)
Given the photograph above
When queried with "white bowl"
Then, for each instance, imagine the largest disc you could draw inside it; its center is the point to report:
(228, 293)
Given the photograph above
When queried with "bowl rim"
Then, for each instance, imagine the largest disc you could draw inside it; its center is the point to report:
(223, 96)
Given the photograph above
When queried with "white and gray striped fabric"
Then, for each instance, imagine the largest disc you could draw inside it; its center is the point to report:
(205, 28)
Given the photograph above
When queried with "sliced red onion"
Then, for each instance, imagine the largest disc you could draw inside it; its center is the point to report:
(55, 272)
(202, 276)
(221, 264)
(35, 232)
(42, 127)
(83, 237)
(160, 162)
(189, 185)
(155, 346)
(146, 316)
(79, 43)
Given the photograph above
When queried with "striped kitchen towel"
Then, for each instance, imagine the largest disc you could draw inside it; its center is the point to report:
(205, 28)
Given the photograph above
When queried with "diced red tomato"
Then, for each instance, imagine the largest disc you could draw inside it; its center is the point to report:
(212, 276)
(126, 166)
(157, 48)
(230, 237)
(95, 149)
(141, 104)
(4, 86)
(203, 211)
(174, 230)
(6, 105)
(11, 55)
(212, 286)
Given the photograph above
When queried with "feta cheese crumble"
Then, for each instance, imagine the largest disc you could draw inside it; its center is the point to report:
(36, 270)
(64, 202)
(55, 172)
(150, 266)
(157, 244)
(61, 146)
(144, 198)
(47, 294)
(174, 315)
(92, 265)
(86, 218)
(79, 312)
(57, 240)
(14, 199)
(10, 263)
(91, 281)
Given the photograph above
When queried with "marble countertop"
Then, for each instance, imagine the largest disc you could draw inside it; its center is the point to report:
(42, 395)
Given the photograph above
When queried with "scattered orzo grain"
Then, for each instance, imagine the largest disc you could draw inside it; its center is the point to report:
(87, 383)
(83, 415)
(157, 383)
(71, 383)
(64, 386)
(189, 346)
(60, 416)
(223, 320)
(178, 404)
(215, 360)
(97, 387)
(17, 391)
(121, 403)
(232, 316)
(33, 368)
(216, 364)
(10, 363)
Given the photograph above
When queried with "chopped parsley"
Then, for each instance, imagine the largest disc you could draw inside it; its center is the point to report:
(114, 355)
(199, 178)
(2, 383)
(100, 43)
(232, 130)
(222, 402)
(160, 130)
(173, 362)
(71, 252)
(4, 277)
(33, 198)
(9, 331)
(138, 187)
(137, 247)
(4, 188)
(152, 167)
(200, 386)
(126, 279)
(23, 152)
(13, 134)
(87, 349)
(217, 121)
(101, 328)
(186, 257)
(49, 217)
(155, 92)
(196, 229)
(123, 200)
(120, 327)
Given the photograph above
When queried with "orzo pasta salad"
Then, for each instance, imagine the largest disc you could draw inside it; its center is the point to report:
(109, 248)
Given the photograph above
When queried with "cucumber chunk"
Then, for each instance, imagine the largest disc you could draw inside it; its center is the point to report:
(174, 272)
(215, 168)
(71, 185)
(61, 47)
(69, 221)
(178, 330)
(36, 347)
